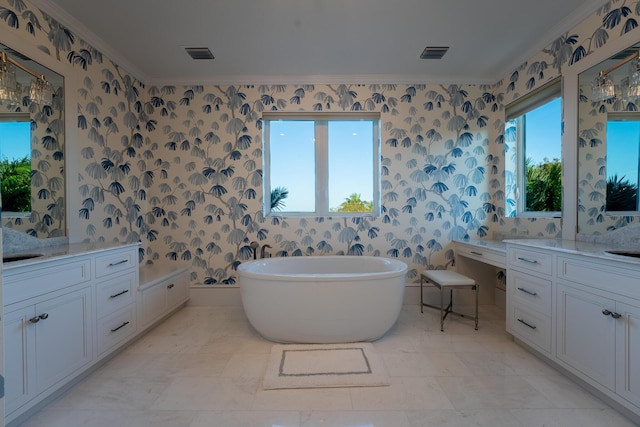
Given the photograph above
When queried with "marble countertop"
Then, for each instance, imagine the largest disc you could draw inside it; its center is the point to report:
(49, 253)
(590, 249)
(593, 250)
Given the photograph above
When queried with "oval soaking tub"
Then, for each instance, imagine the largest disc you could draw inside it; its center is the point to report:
(322, 299)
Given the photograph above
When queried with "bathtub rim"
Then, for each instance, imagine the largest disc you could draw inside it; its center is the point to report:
(397, 268)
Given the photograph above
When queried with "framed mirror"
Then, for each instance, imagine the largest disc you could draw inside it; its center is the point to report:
(32, 147)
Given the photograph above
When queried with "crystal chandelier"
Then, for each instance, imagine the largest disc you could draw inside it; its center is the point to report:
(40, 90)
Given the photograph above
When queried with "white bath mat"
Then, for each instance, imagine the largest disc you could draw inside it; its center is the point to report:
(324, 365)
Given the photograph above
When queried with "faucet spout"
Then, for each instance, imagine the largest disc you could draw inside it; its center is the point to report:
(263, 250)
(254, 247)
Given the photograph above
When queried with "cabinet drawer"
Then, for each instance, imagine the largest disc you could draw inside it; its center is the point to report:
(484, 255)
(525, 259)
(19, 284)
(115, 262)
(116, 328)
(531, 291)
(531, 326)
(607, 277)
(116, 293)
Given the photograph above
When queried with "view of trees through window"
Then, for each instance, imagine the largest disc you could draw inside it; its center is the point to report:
(534, 129)
(15, 163)
(322, 165)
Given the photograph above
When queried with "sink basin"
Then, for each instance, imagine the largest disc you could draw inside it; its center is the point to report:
(19, 257)
(623, 252)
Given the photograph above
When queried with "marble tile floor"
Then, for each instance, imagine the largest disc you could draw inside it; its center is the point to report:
(202, 367)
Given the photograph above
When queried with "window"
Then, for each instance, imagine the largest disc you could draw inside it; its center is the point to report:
(623, 162)
(321, 164)
(15, 164)
(533, 144)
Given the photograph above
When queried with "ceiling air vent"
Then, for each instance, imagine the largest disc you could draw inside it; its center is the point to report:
(199, 52)
(434, 52)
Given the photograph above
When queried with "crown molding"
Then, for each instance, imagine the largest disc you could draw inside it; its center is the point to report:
(80, 30)
(315, 79)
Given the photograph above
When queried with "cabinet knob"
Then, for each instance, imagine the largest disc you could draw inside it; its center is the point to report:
(44, 316)
(34, 319)
(606, 312)
(616, 315)
(170, 286)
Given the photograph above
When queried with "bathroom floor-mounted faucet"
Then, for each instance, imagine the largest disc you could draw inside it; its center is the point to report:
(263, 250)
(254, 247)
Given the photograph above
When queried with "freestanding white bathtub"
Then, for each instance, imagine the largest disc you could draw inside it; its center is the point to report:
(322, 299)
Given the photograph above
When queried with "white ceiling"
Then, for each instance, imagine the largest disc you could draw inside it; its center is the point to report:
(319, 41)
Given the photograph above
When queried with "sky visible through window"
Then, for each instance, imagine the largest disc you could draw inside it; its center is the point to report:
(623, 149)
(15, 140)
(544, 133)
(293, 161)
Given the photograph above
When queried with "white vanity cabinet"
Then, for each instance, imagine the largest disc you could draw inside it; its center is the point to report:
(586, 337)
(116, 275)
(48, 328)
(163, 288)
(54, 309)
(46, 340)
(588, 305)
(529, 288)
(598, 327)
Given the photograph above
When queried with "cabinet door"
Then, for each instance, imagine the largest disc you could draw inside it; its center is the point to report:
(628, 352)
(63, 336)
(19, 357)
(586, 334)
(177, 290)
(153, 303)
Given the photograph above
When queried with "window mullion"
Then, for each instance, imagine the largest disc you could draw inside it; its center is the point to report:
(322, 166)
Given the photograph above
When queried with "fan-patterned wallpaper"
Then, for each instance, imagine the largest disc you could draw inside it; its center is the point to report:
(179, 168)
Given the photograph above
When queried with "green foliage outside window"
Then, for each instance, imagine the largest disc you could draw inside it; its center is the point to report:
(621, 194)
(15, 179)
(354, 203)
(543, 185)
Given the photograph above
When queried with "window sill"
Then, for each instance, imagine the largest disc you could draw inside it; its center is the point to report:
(540, 215)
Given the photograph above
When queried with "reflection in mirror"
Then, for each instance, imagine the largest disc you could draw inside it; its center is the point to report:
(36, 204)
(623, 155)
(607, 157)
(15, 164)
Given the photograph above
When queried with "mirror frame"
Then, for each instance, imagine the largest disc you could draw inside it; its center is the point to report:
(570, 93)
(71, 154)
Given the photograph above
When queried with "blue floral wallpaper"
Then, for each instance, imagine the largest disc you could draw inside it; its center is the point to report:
(179, 167)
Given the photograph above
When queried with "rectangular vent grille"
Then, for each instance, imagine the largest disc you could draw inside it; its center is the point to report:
(199, 52)
(433, 52)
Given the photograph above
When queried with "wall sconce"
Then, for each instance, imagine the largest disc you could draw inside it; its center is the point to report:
(40, 91)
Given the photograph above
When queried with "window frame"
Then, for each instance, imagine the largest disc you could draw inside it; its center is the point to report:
(516, 111)
(321, 147)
